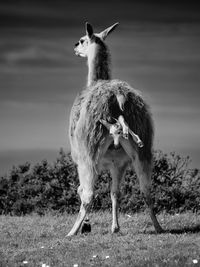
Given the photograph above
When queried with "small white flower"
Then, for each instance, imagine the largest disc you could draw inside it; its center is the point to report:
(94, 256)
(107, 257)
(25, 262)
(42, 246)
(195, 261)
(76, 265)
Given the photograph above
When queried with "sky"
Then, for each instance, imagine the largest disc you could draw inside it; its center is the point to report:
(156, 49)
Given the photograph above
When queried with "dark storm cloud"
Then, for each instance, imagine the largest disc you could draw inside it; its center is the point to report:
(68, 13)
(25, 44)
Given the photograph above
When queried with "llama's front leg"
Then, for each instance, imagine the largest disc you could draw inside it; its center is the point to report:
(117, 174)
(85, 190)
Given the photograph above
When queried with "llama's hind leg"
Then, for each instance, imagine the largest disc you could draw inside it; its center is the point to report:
(85, 191)
(143, 171)
(117, 175)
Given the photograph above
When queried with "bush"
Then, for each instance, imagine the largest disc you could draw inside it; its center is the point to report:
(44, 187)
(176, 187)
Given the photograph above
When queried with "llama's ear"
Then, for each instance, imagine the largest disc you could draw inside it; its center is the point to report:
(107, 31)
(89, 30)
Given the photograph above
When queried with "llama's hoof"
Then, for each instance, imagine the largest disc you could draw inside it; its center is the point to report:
(115, 229)
(72, 233)
(69, 236)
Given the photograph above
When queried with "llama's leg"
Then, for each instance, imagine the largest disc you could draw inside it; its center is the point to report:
(143, 171)
(85, 191)
(117, 175)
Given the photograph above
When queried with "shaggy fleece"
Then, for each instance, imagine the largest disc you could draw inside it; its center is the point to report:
(101, 101)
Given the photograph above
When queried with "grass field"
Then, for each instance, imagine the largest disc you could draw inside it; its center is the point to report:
(41, 241)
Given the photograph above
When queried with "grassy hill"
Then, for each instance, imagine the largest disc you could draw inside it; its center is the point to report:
(38, 206)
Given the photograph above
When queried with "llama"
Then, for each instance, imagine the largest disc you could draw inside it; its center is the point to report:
(110, 129)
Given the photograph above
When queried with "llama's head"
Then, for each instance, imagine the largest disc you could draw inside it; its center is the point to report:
(85, 44)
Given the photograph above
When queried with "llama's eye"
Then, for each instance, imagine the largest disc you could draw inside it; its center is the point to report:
(81, 41)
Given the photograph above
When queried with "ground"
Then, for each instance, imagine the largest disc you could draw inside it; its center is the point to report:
(41, 241)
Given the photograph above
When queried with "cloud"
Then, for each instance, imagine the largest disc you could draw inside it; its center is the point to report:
(34, 56)
(38, 54)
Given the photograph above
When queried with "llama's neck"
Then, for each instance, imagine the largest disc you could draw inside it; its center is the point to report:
(98, 64)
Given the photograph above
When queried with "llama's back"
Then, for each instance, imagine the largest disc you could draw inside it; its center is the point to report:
(103, 101)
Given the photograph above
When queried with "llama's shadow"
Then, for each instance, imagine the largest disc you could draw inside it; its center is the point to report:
(177, 231)
(185, 230)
